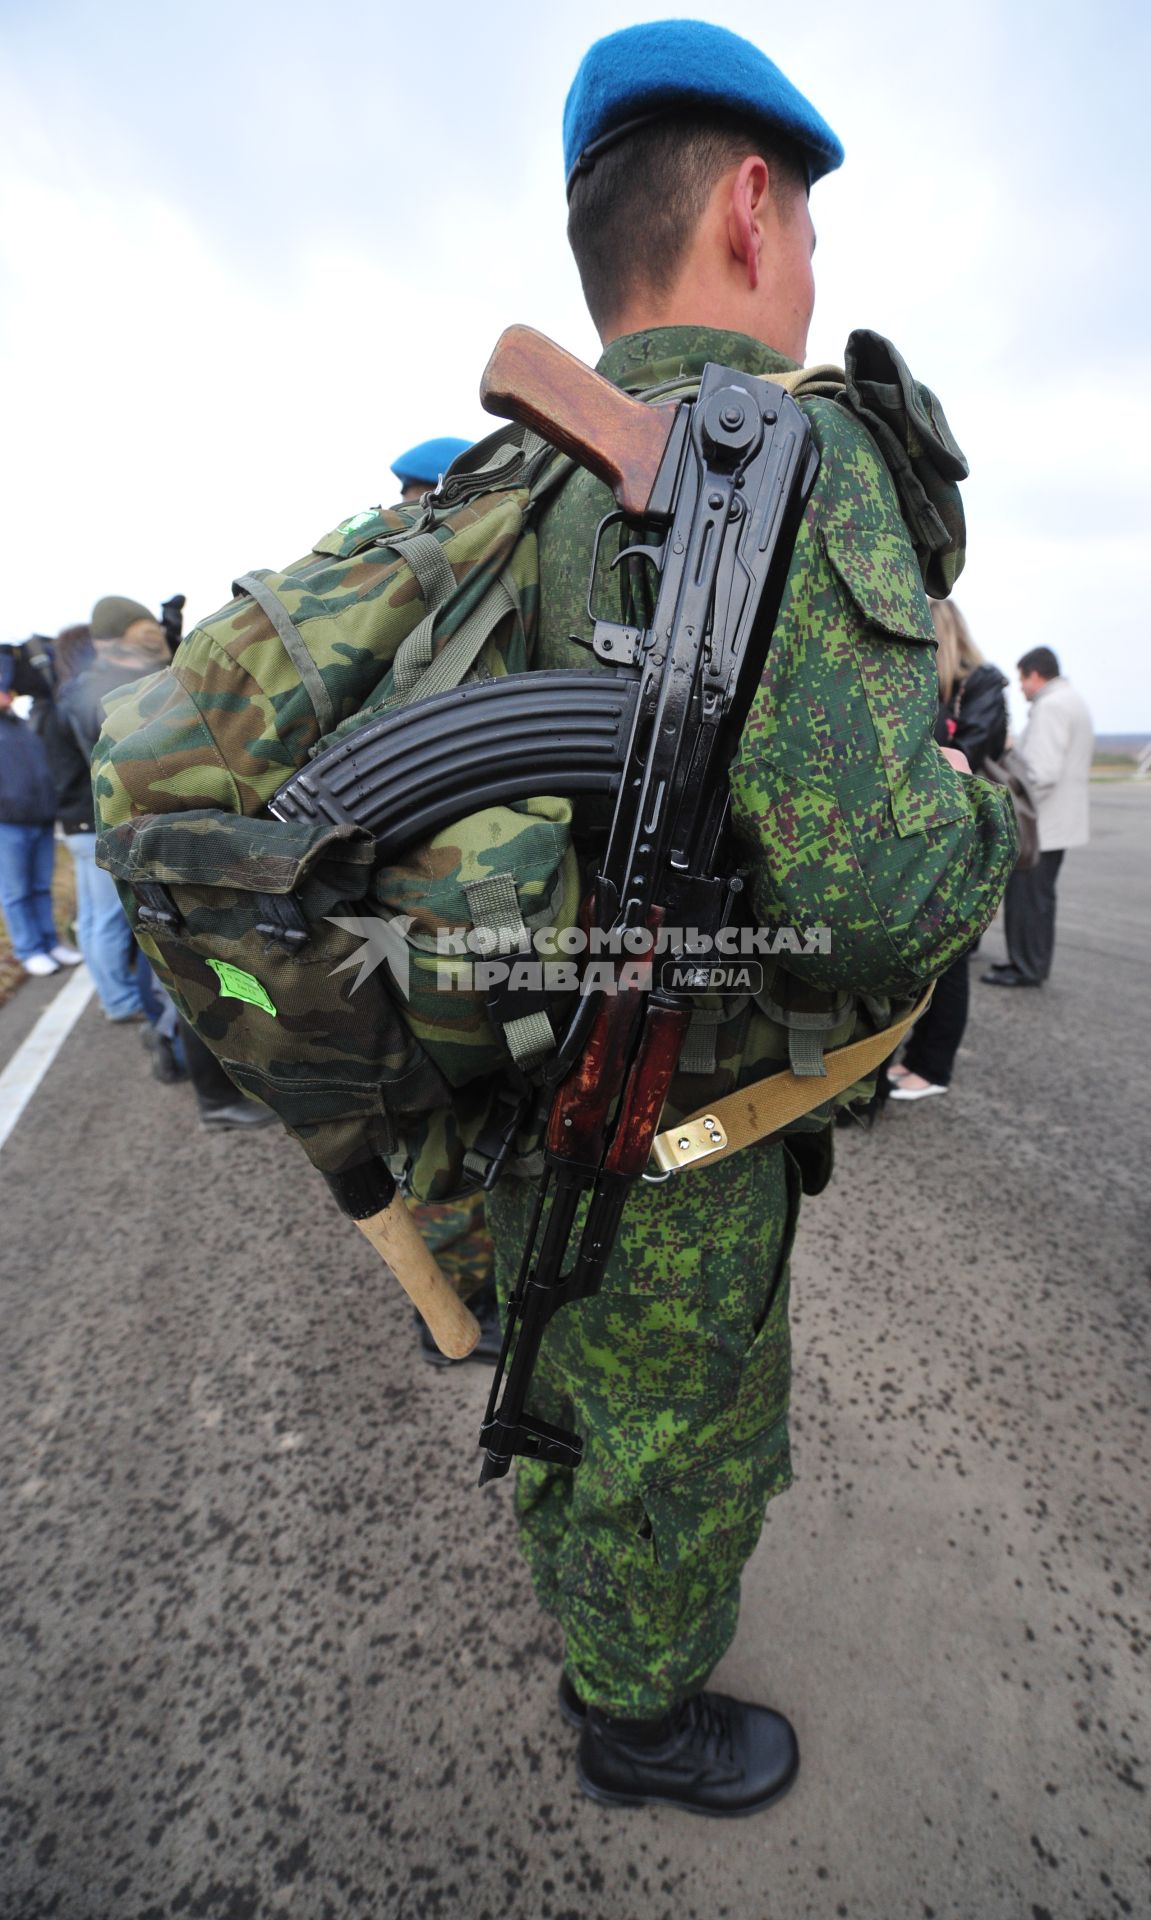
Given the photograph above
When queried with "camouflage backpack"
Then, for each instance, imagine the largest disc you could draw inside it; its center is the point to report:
(273, 936)
(266, 930)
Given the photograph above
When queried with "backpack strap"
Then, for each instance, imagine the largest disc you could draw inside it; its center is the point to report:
(752, 1113)
(493, 905)
(825, 382)
(425, 557)
(417, 671)
(417, 674)
(699, 1052)
(295, 646)
(427, 560)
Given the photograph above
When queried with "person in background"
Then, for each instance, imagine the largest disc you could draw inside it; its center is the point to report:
(32, 673)
(127, 642)
(1056, 750)
(123, 642)
(455, 1230)
(178, 1053)
(73, 652)
(972, 717)
(27, 847)
(424, 466)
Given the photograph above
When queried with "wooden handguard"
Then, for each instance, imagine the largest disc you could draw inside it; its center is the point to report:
(398, 1241)
(530, 379)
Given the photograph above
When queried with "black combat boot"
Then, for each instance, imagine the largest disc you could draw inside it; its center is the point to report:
(711, 1755)
(572, 1708)
(165, 1063)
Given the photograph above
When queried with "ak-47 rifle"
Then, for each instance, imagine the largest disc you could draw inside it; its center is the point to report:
(727, 479)
(724, 476)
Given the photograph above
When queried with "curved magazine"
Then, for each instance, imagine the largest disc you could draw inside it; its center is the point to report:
(417, 769)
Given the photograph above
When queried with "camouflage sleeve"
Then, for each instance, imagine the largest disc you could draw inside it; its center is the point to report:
(846, 811)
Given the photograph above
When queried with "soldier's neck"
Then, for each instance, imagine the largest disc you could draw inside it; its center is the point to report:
(707, 312)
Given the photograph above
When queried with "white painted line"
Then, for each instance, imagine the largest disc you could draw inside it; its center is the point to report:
(30, 1063)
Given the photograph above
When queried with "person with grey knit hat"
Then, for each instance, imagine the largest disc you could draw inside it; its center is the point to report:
(122, 622)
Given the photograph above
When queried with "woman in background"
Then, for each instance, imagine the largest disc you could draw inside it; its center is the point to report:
(972, 717)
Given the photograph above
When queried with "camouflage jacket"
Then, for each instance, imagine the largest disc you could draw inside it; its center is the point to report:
(923, 852)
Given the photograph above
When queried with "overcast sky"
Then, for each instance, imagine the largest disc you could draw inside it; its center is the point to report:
(250, 251)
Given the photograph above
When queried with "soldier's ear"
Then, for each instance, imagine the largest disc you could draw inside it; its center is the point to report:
(745, 220)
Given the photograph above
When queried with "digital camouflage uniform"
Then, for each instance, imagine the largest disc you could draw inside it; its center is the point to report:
(677, 1373)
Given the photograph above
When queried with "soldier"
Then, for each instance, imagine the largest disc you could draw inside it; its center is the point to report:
(689, 160)
(424, 466)
(455, 1230)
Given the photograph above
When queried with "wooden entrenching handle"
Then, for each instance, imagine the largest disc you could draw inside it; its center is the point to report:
(530, 379)
(398, 1241)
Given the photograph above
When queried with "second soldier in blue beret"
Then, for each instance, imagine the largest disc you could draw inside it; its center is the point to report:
(454, 1230)
(423, 467)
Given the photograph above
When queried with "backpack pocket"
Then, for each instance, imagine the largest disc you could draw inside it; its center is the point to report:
(481, 905)
(263, 933)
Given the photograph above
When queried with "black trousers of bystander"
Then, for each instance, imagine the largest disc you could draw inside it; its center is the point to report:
(1029, 917)
(935, 1038)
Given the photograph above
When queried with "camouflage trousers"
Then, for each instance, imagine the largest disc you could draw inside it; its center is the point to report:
(677, 1376)
(457, 1233)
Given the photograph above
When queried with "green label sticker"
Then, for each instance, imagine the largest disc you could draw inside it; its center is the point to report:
(235, 984)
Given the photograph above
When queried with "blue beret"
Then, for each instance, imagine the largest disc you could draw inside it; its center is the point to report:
(428, 460)
(644, 72)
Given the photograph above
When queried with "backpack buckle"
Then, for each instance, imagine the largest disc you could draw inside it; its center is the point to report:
(489, 1154)
(157, 909)
(282, 921)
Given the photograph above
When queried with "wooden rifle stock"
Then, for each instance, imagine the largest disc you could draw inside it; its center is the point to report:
(398, 1241)
(530, 379)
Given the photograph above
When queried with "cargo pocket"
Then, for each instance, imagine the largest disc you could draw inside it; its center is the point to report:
(794, 1194)
(895, 655)
(717, 1508)
(715, 1503)
(759, 1409)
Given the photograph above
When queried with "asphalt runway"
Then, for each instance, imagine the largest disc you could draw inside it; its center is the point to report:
(267, 1651)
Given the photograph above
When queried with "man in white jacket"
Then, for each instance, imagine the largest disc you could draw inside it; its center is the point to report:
(1056, 749)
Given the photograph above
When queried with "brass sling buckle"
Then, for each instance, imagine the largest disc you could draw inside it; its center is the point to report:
(682, 1146)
